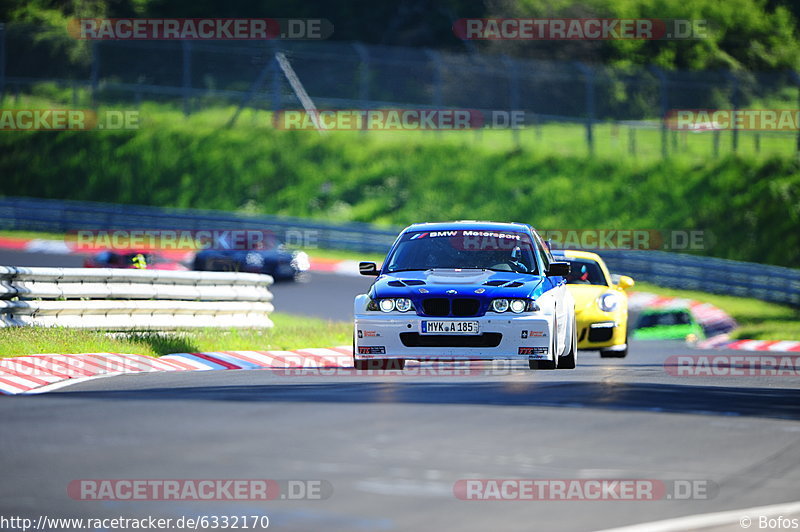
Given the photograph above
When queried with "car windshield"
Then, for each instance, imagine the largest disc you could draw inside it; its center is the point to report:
(585, 271)
(680, 317)
(500, 251)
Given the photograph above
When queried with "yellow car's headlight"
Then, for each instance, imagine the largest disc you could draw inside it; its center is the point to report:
(608, 302)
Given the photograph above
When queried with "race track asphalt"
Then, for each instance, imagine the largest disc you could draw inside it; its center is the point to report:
(392, 446)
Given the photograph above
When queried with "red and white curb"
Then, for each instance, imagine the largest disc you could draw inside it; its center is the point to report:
(723, 341)
(36, 373)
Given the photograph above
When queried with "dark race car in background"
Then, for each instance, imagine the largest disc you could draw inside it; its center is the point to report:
(145, 260)
(271, 258)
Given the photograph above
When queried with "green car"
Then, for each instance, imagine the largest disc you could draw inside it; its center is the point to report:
(674, 323)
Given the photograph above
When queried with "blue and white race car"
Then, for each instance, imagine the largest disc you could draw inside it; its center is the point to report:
(466, 291)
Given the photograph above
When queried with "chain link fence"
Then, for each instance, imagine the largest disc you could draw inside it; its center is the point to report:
(608, 107)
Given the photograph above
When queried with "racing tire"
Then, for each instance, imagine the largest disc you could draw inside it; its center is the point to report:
(541, 364)
(380, 364)
(568, 361)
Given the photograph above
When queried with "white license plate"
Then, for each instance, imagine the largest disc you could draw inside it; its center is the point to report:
(449, 327)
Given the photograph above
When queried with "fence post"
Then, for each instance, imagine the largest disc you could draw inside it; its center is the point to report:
(438, 80)
(275, 89)
(663, 100)
(363, 80)
(187, 76)
(632, 140)
(270, 66)
(513, 96)
(95, 71)
(796, 77)
(735, 104)
(2, 61)
(588, 75)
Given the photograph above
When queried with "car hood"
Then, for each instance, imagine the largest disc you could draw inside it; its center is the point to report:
(586, 295)
(457, 283)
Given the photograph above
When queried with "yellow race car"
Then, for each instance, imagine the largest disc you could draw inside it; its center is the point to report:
(601, 305)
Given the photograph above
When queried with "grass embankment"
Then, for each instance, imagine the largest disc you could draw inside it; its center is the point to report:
(749, 206)
(290, 332)
(758, 320)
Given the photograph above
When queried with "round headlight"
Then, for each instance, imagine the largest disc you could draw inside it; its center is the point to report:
(387, 305)
(518, 305)
(403, 304)
(608, 302)
(500, 305)
(301, 261)
(254, 259)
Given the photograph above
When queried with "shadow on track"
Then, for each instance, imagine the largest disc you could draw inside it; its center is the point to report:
(702, 400)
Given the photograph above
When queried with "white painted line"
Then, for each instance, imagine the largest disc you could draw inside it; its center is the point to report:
(700, 521)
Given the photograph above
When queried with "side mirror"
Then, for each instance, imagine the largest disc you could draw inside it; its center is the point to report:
(625, 282)
(559, 269)
(368, 268)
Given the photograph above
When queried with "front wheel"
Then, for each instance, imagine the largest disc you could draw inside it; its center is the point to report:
(611, 353)
(380, 364)
(568, 361)
(541, 364)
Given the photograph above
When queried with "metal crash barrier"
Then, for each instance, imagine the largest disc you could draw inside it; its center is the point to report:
(122, 299)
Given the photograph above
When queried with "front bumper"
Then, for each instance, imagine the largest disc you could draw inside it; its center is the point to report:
(605, 331)
(396, 335)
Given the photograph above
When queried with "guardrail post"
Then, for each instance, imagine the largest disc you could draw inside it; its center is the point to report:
(187, 76)
(588, 75)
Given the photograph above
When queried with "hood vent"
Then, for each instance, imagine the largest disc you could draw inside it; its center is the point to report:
(504, 284)
(406, 282)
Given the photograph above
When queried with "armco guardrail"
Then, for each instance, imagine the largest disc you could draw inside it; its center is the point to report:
(769, 283)
(121, 299)
(57, 216)
(708, 274)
